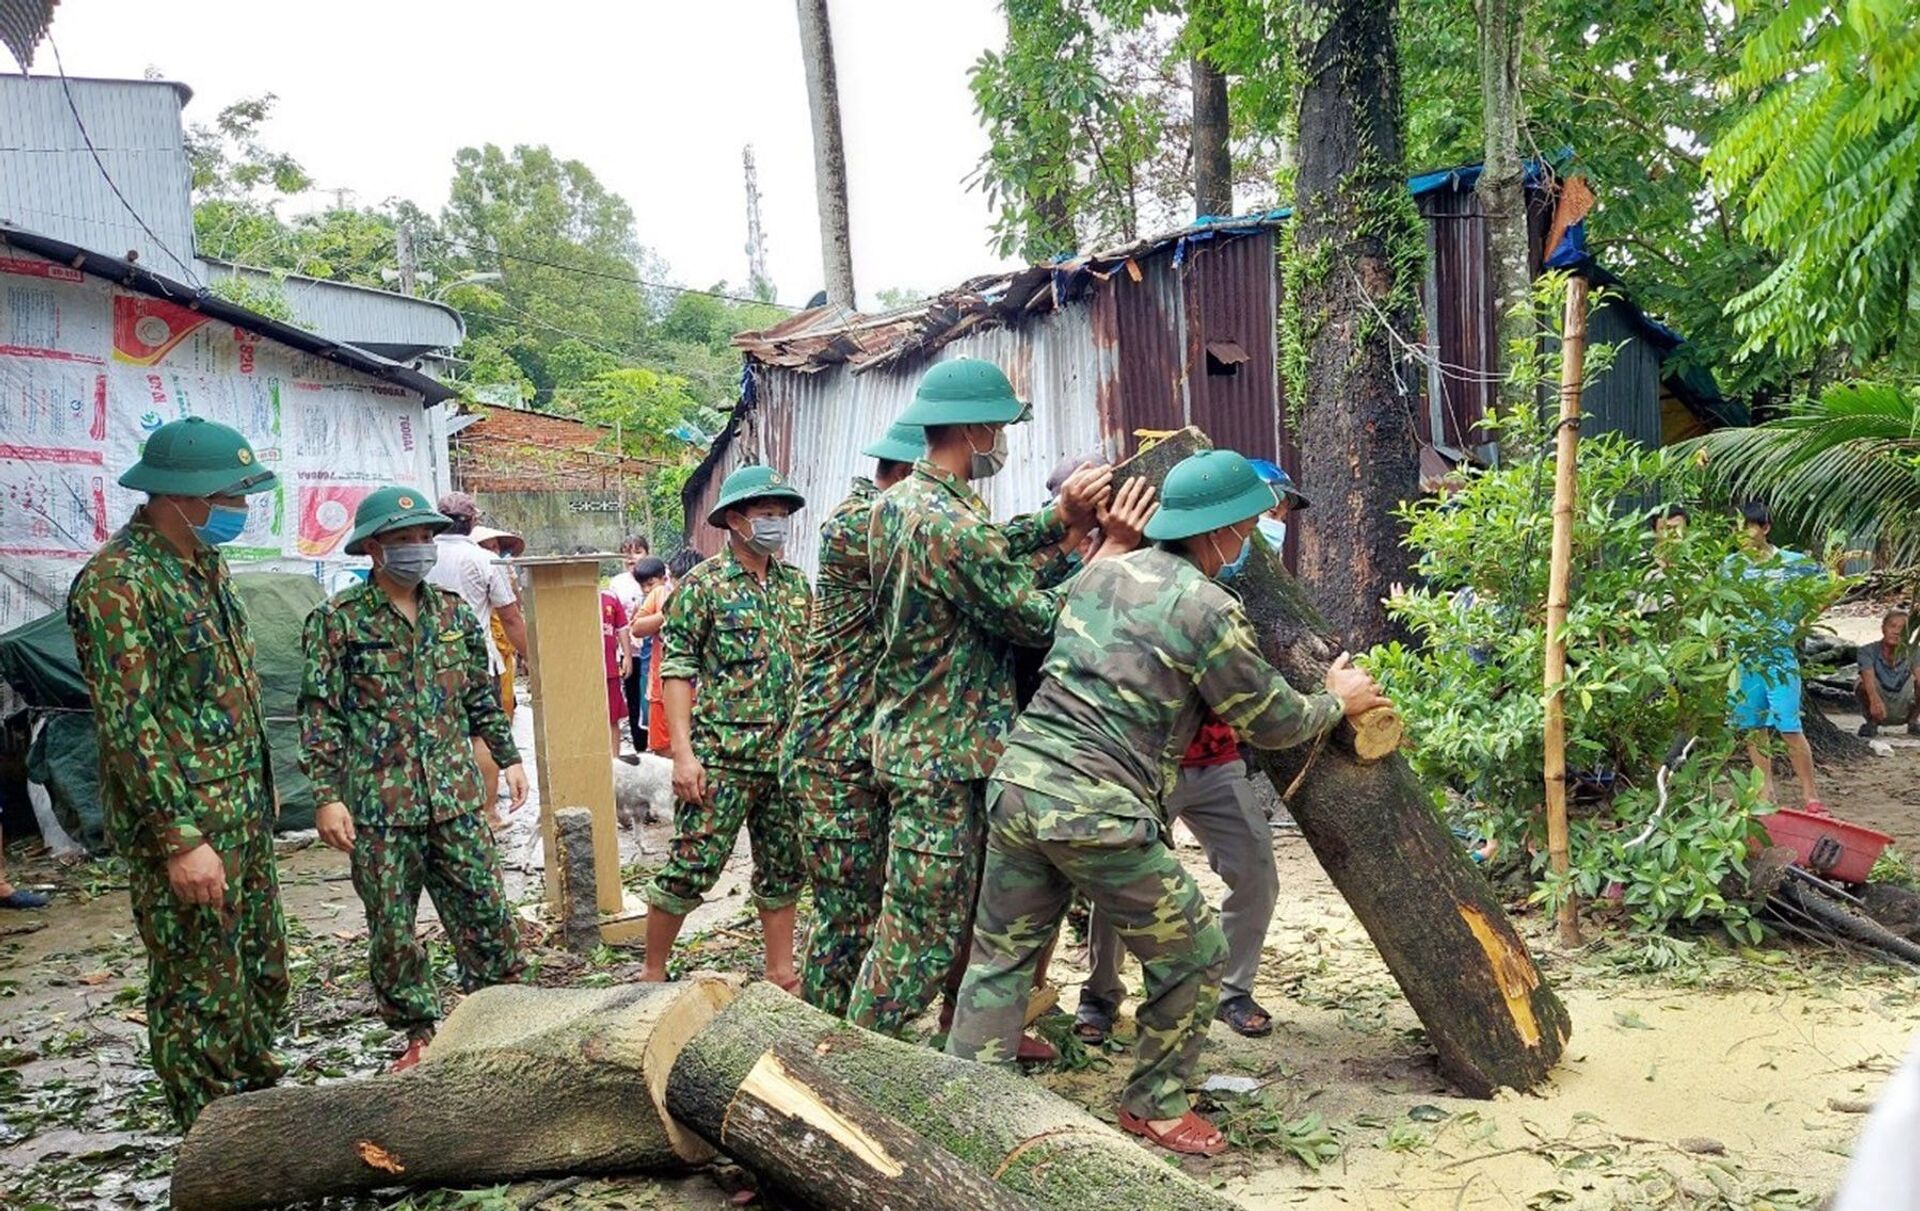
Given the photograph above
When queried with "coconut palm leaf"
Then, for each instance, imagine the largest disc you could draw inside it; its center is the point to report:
(1847, 463)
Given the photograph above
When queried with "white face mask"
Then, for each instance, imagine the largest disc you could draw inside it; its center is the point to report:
(1274, 530)
(985, 464)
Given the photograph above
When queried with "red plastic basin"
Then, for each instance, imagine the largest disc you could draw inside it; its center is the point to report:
(1830, 848)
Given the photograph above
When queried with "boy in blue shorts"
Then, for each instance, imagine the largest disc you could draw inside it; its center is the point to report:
(1769, 691)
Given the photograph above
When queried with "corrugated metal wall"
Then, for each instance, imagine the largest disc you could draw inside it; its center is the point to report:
(1459, 317)
(50, 184)
(1626, 399)
(1229, 289)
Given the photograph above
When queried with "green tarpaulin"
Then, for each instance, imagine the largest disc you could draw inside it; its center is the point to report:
(38, 661)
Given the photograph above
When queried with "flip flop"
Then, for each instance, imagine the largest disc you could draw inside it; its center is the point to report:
(1193, 1135)
(20, 897)
(1238, 1012)
(1093, 1021)
(1034, 1050)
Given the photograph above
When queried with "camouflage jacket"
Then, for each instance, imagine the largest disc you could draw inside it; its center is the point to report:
(834, 713)
(952, 593)
(739, 641)
(168, 659)
(388, 707)
(1146, 644)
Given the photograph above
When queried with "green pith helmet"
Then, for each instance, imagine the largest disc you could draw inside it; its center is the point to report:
(750, 484)
(965, 391)
(903, 443)
(197, 457)
(392, 508)
(1208, 490)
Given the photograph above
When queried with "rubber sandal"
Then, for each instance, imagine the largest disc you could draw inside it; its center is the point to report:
(1093, 1021)
(790, 987)
(20, 897)
(1193, 1135)
(416, 1050)
(1813, 807)
(1238, 1012)
(1034, 1050)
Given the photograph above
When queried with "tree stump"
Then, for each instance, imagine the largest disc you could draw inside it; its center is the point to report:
(520, 1081)
(997, 1122)
(1486, 1009)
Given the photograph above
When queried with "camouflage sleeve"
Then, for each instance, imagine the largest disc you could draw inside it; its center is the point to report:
(973, 569)
(323, 695)
(1249, 695)
(485, 718)
(1032, 533)
(684, 633)
(1053, 567)
(137, 751)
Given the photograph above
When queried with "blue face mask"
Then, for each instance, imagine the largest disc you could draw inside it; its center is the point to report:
(1231, 570)
(223, 524)
(1274, 531)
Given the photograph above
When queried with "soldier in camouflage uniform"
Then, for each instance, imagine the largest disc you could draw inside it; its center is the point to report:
(952, 593)
(396, 690)
(185, 779)
(1145, 644)
(825, 759)
(730, 668)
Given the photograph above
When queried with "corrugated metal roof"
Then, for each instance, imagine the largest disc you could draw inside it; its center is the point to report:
(359, 315)
(49, 181)
(146, 281)
(22, 24)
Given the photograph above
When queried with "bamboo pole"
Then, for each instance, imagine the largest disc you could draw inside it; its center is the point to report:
(1573, 345)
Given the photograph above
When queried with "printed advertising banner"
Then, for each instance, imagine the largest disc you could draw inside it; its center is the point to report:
(88, 370)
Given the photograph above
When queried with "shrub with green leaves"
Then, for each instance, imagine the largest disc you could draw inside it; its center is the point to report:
(1655, 628)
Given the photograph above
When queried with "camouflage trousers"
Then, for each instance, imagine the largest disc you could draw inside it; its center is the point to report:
(216, 977)
(455, 862)
(704, 834)
(843, 821)
(1039, 851)
(932, 874)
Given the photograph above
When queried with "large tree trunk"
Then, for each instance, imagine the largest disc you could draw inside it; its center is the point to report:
(1212, 150)
(790, 1123)
(519, 1081)
(1353, 279)
(829, 153)
(1502, 187)
(995, 1120)
(1487, 1011)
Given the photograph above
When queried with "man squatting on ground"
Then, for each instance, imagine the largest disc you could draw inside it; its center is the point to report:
(1885, 689)
(1145, 644)
(185, 779)
(396, 690)
(735, 626)
(952, 592)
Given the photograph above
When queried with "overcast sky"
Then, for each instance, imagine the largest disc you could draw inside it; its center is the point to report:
(657, 98)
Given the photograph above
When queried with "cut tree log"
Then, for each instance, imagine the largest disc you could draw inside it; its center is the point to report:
(1486, 1009)
(520, 1081)
(813, 1138)
(994, 1120)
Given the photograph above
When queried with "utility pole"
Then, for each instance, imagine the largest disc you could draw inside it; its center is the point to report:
(759, 285)
(403, 252)
(829, 152)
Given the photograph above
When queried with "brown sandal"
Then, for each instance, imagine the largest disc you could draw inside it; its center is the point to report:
(1193, 1135)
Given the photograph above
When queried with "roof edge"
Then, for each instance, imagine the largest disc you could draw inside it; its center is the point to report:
(240, 267)
(135, 277)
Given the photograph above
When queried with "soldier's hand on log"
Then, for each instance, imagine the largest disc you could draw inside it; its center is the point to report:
(1123, 520)
(1355, 688)
(198, 876)
(690, 779)
(334, 823)
(516, 785)
(1084, 493)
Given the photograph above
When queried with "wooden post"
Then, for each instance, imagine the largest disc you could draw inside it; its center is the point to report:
(1573, 347)
(573, 752)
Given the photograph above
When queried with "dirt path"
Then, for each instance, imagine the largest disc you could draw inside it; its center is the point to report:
(1761, 1059)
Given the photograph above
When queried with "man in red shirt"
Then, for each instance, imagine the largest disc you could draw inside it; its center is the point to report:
(1215, 799)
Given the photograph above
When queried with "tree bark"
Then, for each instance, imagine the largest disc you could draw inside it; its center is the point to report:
(1502, 187)
(993, 1119)
(1353, 275)
(1212, 151)
(520, 1081)
(829, 152)
(792, 1124)
(1486, 1009)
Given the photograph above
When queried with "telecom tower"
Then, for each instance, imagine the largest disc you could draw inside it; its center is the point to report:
(759, 285)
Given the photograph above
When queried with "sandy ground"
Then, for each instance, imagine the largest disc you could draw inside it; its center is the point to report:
(1698, 1076)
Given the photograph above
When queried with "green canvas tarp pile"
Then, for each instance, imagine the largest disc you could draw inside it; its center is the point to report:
(38, 661)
